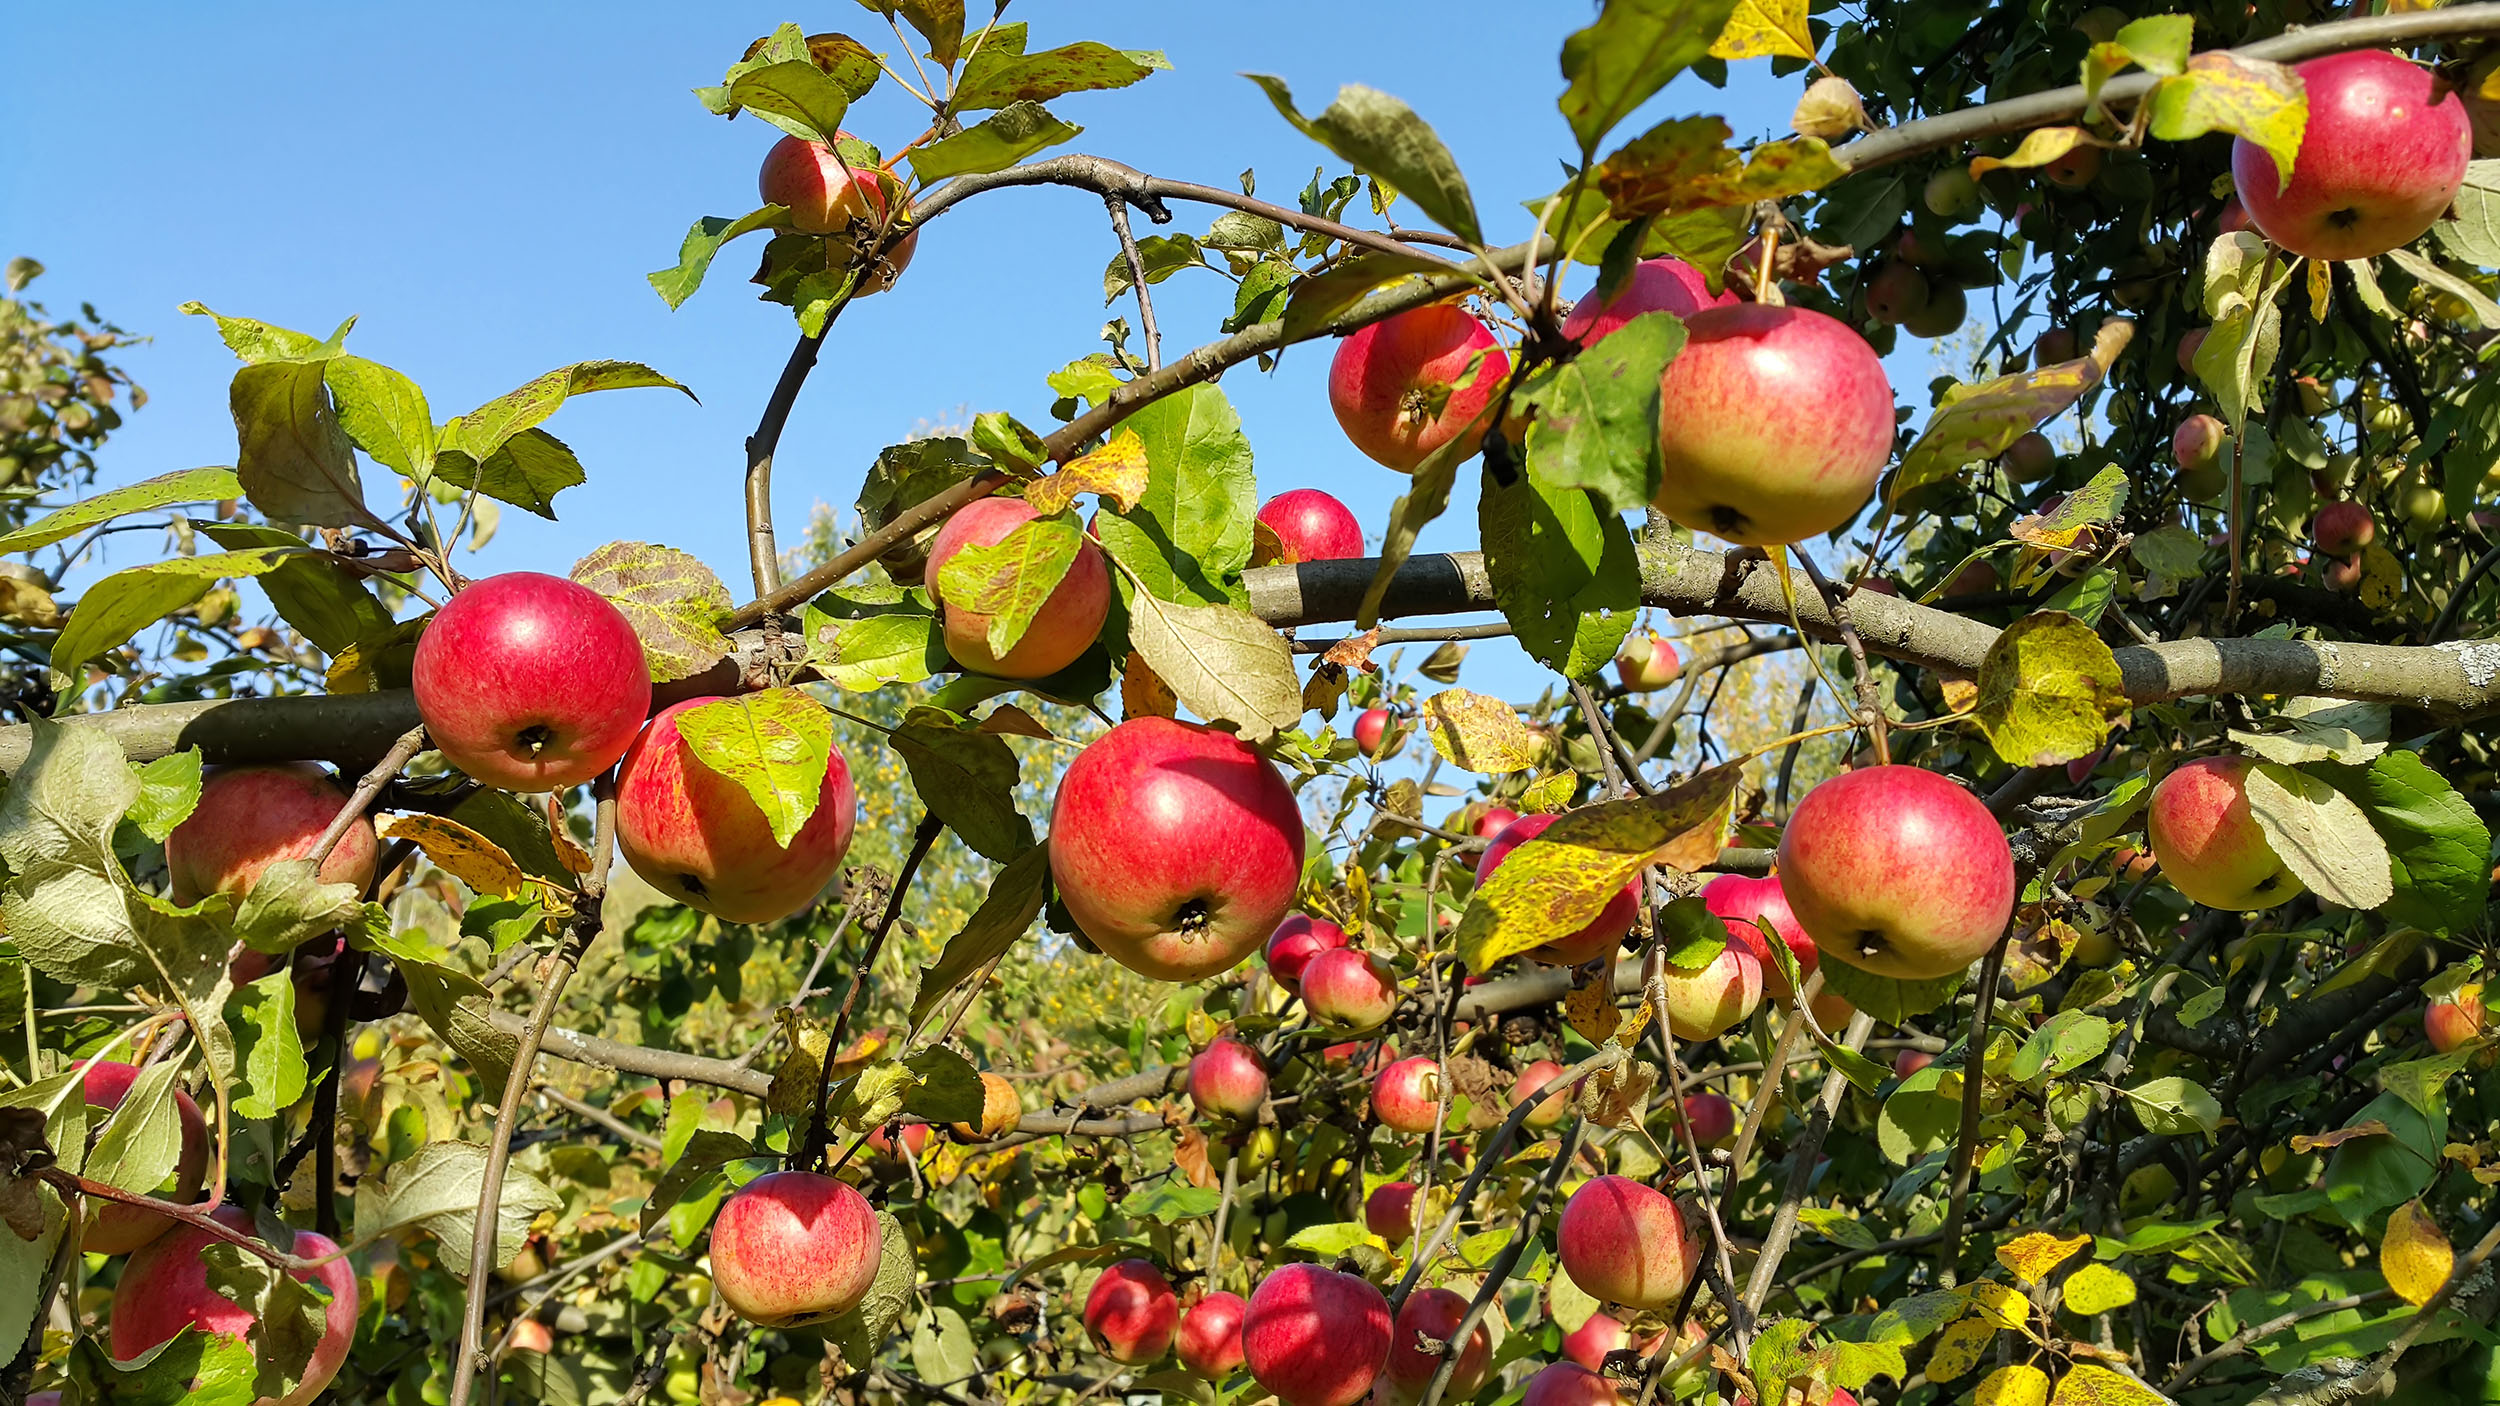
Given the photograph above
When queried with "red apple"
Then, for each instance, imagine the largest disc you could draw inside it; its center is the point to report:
(2197, 443)
(1001, 1109)
(1209, 1341)
(825, 195)
(1228, 1080)
(1406, 1095)
(1570, 1384)
(1063, 629)
(1895, 293)
(250, 817)
(2234, 218)
(1175, 847)
(1713, 1117)
(115, 1229)
(1739, 459)
(1349, 990)
(2075, 168)
(1395, 384)
(1656, 285)
(1389, 1212)
(1909, 1062)
(1494, 821)
(1131, 1312)
(1434, 1315)
(2383, 154)
(530, 682)
(164, 1289)
(2030, 458)
(915, 1140)
(1298, 939)
(2055, 347)
(2455, 1020)
(1831, 1011)
(2341, 529)
(792, 1248)
(533, 1335)
(1705, 1001)
(697, 836)
(1371, 730)
(1603, 1333)
(1626, 1243)
(1313, 526)
(2189, 342)
(1534, 1082)
(1648, 663)
(1743, 902)
(1315, 1337)
(2342, 574)
(1897, 871)
(2208, 843)
(1604, 933)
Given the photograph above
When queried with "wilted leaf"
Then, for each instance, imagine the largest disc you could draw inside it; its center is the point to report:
(1831, 109)
(458, 851)
(1685, 164)
(1116, 473)
(2088, 1385)
(2040, 146)
(1981, 422)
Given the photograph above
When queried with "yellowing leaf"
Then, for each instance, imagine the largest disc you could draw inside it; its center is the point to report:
(1959, 1347)
(2087, 1385)
(459, 851)
(1480, 733)
(1012, 579)
(776, 744)
(1548, 792)
(2303, 1142)
(2032, 1256)
(2094, 505)
(1590, 1008)
(1765, 29)
(1831, 109)
(2000, 1304)
(1983, 421)
(2049, 690)
(2098, 1288)
(1228, 665)
(672, 600)
(2041, 146)
(2250, 98)
(2415, 1255)
(2018, 1385)
(1116, 473)
(1142, 693)
(1685, 164)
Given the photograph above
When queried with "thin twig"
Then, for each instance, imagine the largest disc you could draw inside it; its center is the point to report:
(1137, 279)
(811, 1149)
(360, 800)
(1966, 1142)
(1870, 704)
(1802, 1156)
(1497, 1274)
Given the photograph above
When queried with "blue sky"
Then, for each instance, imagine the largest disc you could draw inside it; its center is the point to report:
(486, 186)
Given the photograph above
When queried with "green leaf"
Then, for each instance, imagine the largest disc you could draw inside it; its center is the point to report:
(384, 413)
(949, 1090)
(2472, 230)
(967, 778)
(1839, 1226)
(1014, 133)
(1006, 913)
(1888, 999)
(527, 471)
(2321, 836)
(1596, 416)
(293, 459)
(191, 1368)
(2064, 1043)
(1331, 1239)
(1632, 50)
(271, 1051)
(1171, 1201)
(1190, 536)
(1565, 575)
(169, 790)
(1011, 580)
(2437, 844)
(1002, 75)
(1921, 1116)
(776, 744)
(2322, 730)
(702, 242)
(860, 647)
(1162, 255)
(142, 1140)
(2243, 285)
(2174, 1106)
(450, 1001)
(1384, 138)
(163, 491)
(519, 830)
(2223, 92)
(2486, 311)
(255, 342)
(327, 603)
(1224, 663)
(436, 1191)
(119, 606)
(2049, 691)
(672, 600)
(483, 431)
(941, 1348)
(704, 1152)
(1314, 302)
(794, 95)
(861, 1332)
(288, 905)
(1690, 936)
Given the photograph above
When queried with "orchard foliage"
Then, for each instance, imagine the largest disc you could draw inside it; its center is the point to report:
(2110, 715)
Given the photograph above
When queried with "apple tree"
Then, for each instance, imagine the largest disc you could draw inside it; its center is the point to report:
(1988, 901)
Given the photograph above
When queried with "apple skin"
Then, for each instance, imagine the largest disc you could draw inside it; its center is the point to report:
(1350, 991)
(1494, 821)
(792, 1248)
(1001, 1109)
(1385, 376)
(1570, 1384)
(1228, 1080)
(1713, 1118)
(1909, 1062)
(1895, 292)
(1313, 526)
(2342, 574)
(531, 1335)
(1897, 871)
(164, 1289)
(2197, 443)
(1533, 1083)
(915, 1140)
(2208, 844)
(1626, 1243)
(1739, 900)
(1434, 1314)
(2341, 529)
(1648, 663)
(1131, 1312)
(1371, 730)
(698, 837)
(118, 1230)
(1703, 1002)
(1062, 630)
(2031, 458)
(2380, 160)
(1316, 1337)
(1406, 1095)
(1209, 1340)
(1389, 1212)
(1604, 933)
(2454, 1021)
(1298, 939)
(530, 682)
(824, 196)
(2054, 347)
(1175, 847)
(1656, 285)
(250, 817)
(1738, 462)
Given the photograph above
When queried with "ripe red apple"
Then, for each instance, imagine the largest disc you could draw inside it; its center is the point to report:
(1434, 1314)
(2208, 843)
(1406, 1095)
(2455, 1020)
(2341, 529)
(915, 1140)
(1312, 526)
(1739, 459)
(698, 837)
(2381, 158)
(1065, 626)
(2055, 347)
(1743, 901)
(1371, 730)
(1897, 871)
(1648, 662)
(791, 1248)
(164, 1289)
(1626, 1243)
(2030, 458)
(1895, 293)
(1494, 821)
(826, 196)
(1175, 847)
(115, 1229)
(1228, 1080)
(1909, 1062)
(1704, 1001)
(2075, 169)
(533, 1335)
(1570, 1384)
(250, 817)
(530, 682)
(1131, 1312)
(1349, 990)
(1389, 1212)
(2197, 443)
(1656, 285)
(1298, 939)
(1604, 933)
(2342, 574)
(1713, 1117)
(1535, 1082)
(1316, 1337)
(1394, 384)
(1209, 1341)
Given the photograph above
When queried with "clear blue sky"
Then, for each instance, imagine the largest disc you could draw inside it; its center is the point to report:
(486, 185)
